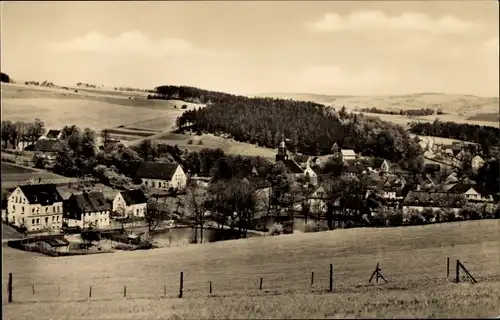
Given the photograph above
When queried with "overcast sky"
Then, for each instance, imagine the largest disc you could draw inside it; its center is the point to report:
(359, 48)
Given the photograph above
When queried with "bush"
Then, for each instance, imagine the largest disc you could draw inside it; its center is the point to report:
(199, 133)
(316, 226)
(276, 229)
(395, 218)
(184, 106)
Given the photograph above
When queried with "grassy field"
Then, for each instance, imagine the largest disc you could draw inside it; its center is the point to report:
(412, 259)
(13, 175)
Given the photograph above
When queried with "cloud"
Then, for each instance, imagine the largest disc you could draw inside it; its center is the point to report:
(378, 20)
(132, 43)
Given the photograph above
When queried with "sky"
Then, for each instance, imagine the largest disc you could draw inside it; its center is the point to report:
(245, 47)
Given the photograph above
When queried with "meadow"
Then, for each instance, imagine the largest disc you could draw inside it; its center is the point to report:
(13, 175)
(412, 259)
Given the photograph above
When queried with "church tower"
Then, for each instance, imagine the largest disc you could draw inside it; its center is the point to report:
(282, 155)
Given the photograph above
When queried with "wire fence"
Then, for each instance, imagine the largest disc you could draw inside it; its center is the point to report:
(322, 279)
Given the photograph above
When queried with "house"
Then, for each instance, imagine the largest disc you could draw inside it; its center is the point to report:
(37, 207)
(162, 175)
(53, 135)
(347, 155)
(472, 192)
(57, 244)
(477, 162)
(201, 181)
(296, 171)
(87, 209)
(47, 149)
(418, 201)
(431, 168)
(131, 203)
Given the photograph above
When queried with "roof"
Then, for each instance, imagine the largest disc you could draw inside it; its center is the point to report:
(434, 199)
(156, 170)
(347, 152)
(464, 187)
(53, 134)
(47, 146)
(90, 201)
(57, 242)
(292, 166)
(377, 163)
(300, 158)
(44, 194)
(133, 197)
(432, 166)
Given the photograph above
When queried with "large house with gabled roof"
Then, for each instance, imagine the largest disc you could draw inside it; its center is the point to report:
(87, 209)
(162, 175)
(131, 203)
(37, 207)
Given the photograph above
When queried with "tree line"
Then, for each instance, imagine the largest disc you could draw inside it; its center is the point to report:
(5, 78)
(486, 136)
(310, 127)
(24, 133)
(409, 112)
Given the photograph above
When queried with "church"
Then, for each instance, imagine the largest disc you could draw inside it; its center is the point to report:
(293, 167)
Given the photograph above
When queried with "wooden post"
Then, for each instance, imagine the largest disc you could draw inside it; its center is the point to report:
(447, 267)
(260, 287)
(33, 289)
(182, 284)
(58, 291)
(457, 271)
(124, 291)
(90, 292)
(9, 288)
(210, 287)
(312, 278)
(165, 290)
(331, 277)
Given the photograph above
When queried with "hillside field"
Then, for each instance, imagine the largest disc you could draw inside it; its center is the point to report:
(412, 259)
(13, 175)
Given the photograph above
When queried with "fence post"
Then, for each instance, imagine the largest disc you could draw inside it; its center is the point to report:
(33, 289)
(312, 278)
(165, 290)
(331, 277)
(447, 267)
(210, 287)
(457, 272)
(90, 292)
(182, 284)
(58, 291)
(9, 288)
(260, 287)
(124, 291)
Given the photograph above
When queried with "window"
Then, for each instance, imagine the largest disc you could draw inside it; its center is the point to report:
(58, 218)
(46, 209)
(37, 221)
(22, 208)
(13, 207)
(58, 209)
(53, 218)
(33, 210)
(32, 221)
(46, 220)
(53, 209)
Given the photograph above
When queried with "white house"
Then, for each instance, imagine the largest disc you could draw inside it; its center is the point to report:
(162, 175)
(294, 169)
(132, 203)
(472, 192)
(347, 154)
(87, 210)
(477, 162)
(37, 207)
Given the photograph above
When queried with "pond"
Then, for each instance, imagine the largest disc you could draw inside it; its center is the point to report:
(185, 235)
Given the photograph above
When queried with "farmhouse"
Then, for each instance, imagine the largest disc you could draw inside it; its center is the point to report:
(87, 210)
(47, 149)
(132, 203)
(472, 192)
(418, 201)
(35, 207)
(296, 171)
(162, 175)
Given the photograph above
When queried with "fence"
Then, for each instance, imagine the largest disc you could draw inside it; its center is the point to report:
(321, 280)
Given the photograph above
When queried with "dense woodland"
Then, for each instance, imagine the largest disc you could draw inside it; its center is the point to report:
(409, 112)
(311, 128)
(486, 136)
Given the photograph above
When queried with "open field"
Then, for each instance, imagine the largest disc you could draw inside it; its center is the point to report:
(412, 259)
(458, 108)
(13, 175)
(229, 146)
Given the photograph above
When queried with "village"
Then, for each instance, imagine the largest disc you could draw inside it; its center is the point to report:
(297, 193)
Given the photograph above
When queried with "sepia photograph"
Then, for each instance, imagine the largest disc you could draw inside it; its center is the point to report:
(250, 159)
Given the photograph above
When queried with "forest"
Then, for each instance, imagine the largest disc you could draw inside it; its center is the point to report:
(486, 136)
(309, 127)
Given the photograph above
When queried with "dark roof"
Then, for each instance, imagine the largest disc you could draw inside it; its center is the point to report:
(292, 166)
(57, 242)
(156, 170)
(434, 199)
(47, 146)
(53, 134)
(90, 201)
(134, 197)
(432, 166)
(464, 187)
(44, 194)
(377, 163)
(300, 158)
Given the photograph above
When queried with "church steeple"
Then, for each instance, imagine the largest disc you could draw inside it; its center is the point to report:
(282, 155)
